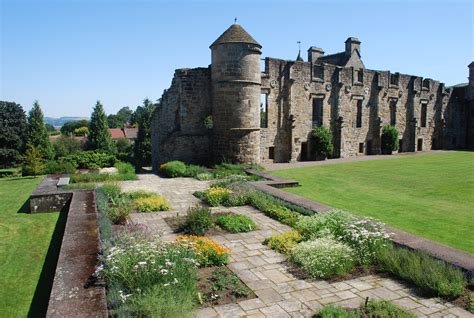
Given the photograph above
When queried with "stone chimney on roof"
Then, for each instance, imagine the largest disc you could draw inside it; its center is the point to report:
(314, 53)
(352, 44)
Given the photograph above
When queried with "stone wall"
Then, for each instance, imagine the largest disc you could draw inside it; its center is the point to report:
(178, 130)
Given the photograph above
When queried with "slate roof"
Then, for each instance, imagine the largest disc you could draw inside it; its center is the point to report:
(340, 58)
(235, 34)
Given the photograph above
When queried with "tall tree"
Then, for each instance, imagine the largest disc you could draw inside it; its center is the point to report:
(12, 133)
(99, 135)
(69, 126)
(142, 147)
(37, 133)
(121, 118)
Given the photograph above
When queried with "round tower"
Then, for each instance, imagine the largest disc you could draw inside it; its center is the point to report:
(236, 81)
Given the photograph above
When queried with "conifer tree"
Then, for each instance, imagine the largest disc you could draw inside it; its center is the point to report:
(37, 132)
(142, 147)
(99, 135)
(32, 162)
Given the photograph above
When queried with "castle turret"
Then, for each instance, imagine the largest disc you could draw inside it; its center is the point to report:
(236, 81)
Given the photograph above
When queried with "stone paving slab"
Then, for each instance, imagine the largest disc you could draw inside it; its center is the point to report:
(279, 293)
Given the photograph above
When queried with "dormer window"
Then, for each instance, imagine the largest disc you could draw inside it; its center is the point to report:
(358, 76)
(318, 73)
(394, 79)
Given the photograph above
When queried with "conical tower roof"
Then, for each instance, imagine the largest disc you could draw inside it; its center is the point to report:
(235, 34)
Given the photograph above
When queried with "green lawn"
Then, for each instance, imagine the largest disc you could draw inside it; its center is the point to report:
(24, 242)
(431, 195)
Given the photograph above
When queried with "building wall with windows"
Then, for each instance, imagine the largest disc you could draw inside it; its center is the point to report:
(336, 91)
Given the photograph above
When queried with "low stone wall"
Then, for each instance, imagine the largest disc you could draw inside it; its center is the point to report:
(75, 290)
(458, 258)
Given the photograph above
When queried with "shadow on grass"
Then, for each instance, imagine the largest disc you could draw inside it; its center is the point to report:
(39, 304)
(25, 208)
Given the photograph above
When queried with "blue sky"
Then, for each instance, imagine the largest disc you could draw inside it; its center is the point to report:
(69, 54)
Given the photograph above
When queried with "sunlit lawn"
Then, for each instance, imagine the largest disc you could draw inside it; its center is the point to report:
(24, 242)
(431, 194)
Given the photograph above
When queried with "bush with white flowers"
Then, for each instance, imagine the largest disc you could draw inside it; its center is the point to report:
(323, 257)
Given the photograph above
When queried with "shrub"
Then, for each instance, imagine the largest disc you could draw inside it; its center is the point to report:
(66, 145)
(32, 162)
(198, 220)
(366, 237)
(112, 191)
(193, 171)
(235, 223)
(283, 242)
(124, 167)
(323, 258)
(321, 138)
(10, 173)
(216, 196)
(119, 211)
(434, 276)
(173, 169)
(57, 167)
(139, 194)
(152, 204)
(208, 252)
(383, 308)
(272, 208)
(81, 131)
(91, 160)
(320, 225)
(333, 311)
(147, 277)
(389, 139)
(204, 176)
(80, 186)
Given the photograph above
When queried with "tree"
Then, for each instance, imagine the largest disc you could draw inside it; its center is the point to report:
(37, 133)
(81, 131)
(142, 147)
(33, 162)
(70, 126)
(389, 139)
(99, 135)
(12, 133)
(66, 145)
(50, 128)
(322, 142)
(122, 117)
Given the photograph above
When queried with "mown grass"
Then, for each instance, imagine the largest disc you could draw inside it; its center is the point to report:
(430, 195)
(24, 242)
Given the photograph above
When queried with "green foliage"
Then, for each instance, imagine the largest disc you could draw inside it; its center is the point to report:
(112, 191)
(13, 133)
(81, 131)
(272, 208)
(215, 196)
(81, 186)
(383, 308)
(142, 146)
(323, 258)
(69, 127)
(193, 171)
(102, 177)
(91, 159)
(124, 167)
(320, 225)
(333, 311)
(124, 149)
(119, 210)
(152, 204)
(235, 223)
(433, 276)
(50, 128)
(209, 122)
(389, 139)
(470, 305)
(173, 169)
(32, 162)
(99, 136)
(66, 145)
(198, 220)
(139, 194)
(59, 167)
(321, 138)
(37, 133)
(283, 242)
(10, 173)
(223, 279)
(120, 119)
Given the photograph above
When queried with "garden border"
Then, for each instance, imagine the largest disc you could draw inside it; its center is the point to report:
(74, 291)
(453, 256)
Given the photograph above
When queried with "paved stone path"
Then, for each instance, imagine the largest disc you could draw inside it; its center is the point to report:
(299, 164)
(266, 272)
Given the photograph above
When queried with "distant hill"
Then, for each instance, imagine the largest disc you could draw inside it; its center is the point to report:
(58, 122)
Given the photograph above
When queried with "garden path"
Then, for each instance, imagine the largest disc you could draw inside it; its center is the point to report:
(266, 272)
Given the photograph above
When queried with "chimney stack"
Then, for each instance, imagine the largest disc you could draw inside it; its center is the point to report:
(351, 45)
(314, 53)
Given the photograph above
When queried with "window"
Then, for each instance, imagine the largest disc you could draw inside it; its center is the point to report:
(420, 145)
(359, 76)
(424, 109)
(426, 84)
(359, 114)
(394, 79)
(400, 144)
(263, 110)
(271, 153)
(393, 112)
(361, 147)
(318, 72)
(317, 112)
